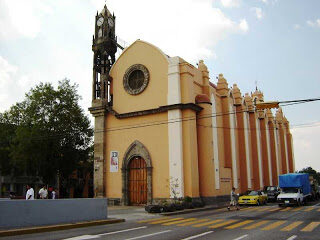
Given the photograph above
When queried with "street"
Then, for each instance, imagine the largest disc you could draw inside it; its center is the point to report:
(264, 222)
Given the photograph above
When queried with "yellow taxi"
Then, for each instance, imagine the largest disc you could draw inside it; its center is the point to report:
(253, 198)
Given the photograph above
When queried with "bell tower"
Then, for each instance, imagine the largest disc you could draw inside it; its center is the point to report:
(104, 47)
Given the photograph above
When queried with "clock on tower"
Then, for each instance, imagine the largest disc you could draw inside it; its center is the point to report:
(104, 47)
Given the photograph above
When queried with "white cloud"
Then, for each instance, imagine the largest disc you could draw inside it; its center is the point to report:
(7, 75)
(258, 12)
(230, 3)
(273, 2)
(296, 26)
(315, 23)
(187, 28)
(21, 18)
(190, 29)
(6, 71)
(306, 146)
(244, 25)
(13, 84)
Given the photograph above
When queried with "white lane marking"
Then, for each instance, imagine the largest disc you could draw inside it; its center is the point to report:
(85, 237)
(196, 236)
(241, 237)
(148, 235)
(292, 237)
(120, 231)
(82, 237)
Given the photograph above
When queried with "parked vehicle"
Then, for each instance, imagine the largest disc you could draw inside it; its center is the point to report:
(253, 198)
(272, 192)
(295, 189)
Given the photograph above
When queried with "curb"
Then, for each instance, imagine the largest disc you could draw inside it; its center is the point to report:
(192, 210)
(39, 229)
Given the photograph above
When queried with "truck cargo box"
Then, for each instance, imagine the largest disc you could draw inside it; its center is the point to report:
(298, 180)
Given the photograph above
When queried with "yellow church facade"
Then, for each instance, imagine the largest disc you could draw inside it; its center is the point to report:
(167, 131)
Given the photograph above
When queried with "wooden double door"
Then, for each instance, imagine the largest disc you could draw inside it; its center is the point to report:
(137, 181)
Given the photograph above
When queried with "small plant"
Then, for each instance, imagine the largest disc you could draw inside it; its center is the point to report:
(174, 187)
(187, 199)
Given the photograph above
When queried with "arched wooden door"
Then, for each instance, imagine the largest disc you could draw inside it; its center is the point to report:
(137, 181)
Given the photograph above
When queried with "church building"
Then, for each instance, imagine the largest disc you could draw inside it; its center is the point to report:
(164, 130)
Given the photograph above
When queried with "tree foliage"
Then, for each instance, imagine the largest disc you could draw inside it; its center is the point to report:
(312, 172)
(50, 132)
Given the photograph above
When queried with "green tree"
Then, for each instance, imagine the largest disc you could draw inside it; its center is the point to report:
(312, 172)
(52, 133)
(7, 132)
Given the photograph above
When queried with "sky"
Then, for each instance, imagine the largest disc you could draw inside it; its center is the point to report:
(271, 44)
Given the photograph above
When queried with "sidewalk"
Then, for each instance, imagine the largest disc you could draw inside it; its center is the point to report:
(128, 212)
(39, 229)
(138, 212)
(116, 214)
(205, 208)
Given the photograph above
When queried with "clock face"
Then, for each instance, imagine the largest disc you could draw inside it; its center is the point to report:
(100, 21)
(110, 22)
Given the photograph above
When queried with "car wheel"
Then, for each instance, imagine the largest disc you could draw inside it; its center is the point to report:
(298, 203)
(258, 203)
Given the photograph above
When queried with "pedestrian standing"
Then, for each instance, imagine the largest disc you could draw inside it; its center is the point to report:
(53, 194)
(43, 192)
(30, 193)
(233, 199)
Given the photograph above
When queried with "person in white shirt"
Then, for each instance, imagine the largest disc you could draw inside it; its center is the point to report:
(53, 194)
(43, 192)
(234, 199)
(30, 193)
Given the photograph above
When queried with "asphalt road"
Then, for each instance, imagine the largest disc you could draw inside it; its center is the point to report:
(264, 222)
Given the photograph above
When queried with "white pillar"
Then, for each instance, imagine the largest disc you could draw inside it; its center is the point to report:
(246, 141)
(233, 145)
(286, 148)
(269, 151)
(292, 154)
(215, 146)
(175, 129)
(259, 151)
(276, 140)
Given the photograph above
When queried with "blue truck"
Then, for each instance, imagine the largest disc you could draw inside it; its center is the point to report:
(295, 189)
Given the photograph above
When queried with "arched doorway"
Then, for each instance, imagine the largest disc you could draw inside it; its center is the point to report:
(136, 175)
(137, 181)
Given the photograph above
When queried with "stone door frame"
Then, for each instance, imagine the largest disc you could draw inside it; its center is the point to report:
(136, 149)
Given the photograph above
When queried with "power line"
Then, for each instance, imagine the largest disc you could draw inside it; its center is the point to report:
(191, 118)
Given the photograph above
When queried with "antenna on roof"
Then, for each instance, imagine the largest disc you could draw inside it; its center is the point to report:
(256, 83)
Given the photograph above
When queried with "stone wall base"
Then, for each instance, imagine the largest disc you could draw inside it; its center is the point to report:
(215, 200)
